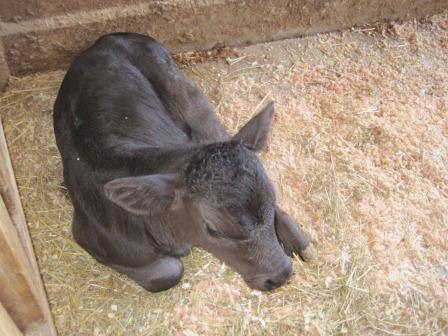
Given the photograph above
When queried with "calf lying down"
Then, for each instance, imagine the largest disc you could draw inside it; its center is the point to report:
(152, 172)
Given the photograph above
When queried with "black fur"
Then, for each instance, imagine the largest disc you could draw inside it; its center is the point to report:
(151, 171)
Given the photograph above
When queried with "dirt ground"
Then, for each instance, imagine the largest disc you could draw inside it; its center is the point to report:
(359, 154)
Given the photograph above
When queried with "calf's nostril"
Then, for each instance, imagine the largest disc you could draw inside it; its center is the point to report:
(270, 284)
(279, 279)
(287, 273)
(287, 270)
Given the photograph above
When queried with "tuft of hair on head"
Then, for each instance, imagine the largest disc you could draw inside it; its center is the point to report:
(221, 170)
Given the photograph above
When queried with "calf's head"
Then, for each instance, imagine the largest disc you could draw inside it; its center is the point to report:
(223, 202)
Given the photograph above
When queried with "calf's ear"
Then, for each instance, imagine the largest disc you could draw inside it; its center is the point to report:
(143, 195)
(256, 132)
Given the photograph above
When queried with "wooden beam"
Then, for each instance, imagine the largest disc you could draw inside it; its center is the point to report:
(10, 194)
(7, 325)
(17, 293)
(13, 224)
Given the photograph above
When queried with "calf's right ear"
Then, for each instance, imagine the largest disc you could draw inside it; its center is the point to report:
(143, 195)
(255, 133)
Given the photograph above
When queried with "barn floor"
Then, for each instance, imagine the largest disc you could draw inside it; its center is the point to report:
(359, 154)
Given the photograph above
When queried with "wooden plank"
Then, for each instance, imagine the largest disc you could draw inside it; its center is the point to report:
(7, 325)
(17, 293)
(11, 198)
(10, 195)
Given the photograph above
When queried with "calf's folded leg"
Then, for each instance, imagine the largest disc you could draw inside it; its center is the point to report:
(161, 274)
(292, 237)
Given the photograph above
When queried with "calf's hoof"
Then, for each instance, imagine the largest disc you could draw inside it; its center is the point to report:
(309, 253)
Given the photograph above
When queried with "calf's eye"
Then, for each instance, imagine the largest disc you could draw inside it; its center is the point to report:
(249, 222)
(221, 235)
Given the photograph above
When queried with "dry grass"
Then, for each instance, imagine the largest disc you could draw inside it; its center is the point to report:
(359, 154)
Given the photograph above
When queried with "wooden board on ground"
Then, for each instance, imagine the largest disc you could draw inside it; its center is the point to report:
(17, 293)
(21, 288)
(7, 325)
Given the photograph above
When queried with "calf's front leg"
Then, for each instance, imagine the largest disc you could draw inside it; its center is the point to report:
(162, 274)
(292, 237)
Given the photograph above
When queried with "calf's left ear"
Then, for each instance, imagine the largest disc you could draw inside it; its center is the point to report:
(143, 195)
(255, 133)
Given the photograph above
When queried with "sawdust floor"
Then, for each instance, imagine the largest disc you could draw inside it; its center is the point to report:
(359, 154)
